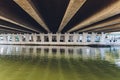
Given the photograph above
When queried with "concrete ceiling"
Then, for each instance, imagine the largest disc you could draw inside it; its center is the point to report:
(43, 16)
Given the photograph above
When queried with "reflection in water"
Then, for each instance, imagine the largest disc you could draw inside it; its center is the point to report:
(59, 63)
(109, 54)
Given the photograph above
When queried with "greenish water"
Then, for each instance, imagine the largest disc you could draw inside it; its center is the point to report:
(59, 63)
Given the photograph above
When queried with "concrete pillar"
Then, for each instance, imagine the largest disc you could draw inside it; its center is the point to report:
(66, 37)
(5, 37)
(34, 37)
(75, 37)
(80, 37)
(93, 37)
(27, 37)
(50, 37)
(42, 37)
(102, 38)
(20, 38)
(84, 37)
(13, 37)
(58, 37)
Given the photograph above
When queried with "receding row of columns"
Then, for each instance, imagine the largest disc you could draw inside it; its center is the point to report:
(58, 38)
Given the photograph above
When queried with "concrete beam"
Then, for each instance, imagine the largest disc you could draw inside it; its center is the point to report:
(103, 14)
(9, 30)
(108, 31)
(29, 7)
(111, 27)
(73, 7)
(21, 30)
(17, 23)
(101, 25)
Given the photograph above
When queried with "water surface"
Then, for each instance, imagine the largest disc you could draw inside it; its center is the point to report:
(59, 63)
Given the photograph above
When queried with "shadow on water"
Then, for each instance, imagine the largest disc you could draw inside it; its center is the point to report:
(59, 63)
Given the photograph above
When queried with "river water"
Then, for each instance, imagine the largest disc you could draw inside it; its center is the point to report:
(59, 63)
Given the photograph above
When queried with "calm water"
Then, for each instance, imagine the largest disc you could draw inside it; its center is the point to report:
(59, 63)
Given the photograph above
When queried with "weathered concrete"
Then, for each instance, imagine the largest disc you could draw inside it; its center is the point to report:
(101, 25)
(17, 23)
(29, 7)
(73, 7)
(9, 31)
(112, 27)
(28, 16)
(67, 40)
(21, 30)
(107, 12)
(116, 30)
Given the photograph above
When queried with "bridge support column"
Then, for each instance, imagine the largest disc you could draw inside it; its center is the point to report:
(42, 38)
(84, 38)
(75, 37)
(34, 37)
(102, 40)
(93, 38)
(5, 38)
(66, 37)
(50, 37)
(8, 37)
(58, 37)
(13, 37)
(27, 37)
(20, 38)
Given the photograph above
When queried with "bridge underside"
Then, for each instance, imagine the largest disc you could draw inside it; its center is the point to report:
(45, 16)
